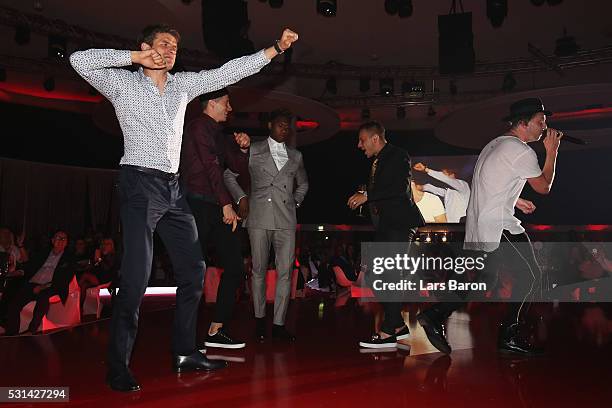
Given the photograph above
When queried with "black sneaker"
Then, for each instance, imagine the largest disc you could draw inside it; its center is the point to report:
(223, 340)
(402, 334)
(378, 342)
(510, 341)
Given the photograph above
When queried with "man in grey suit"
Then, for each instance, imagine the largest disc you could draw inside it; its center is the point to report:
(278, 184)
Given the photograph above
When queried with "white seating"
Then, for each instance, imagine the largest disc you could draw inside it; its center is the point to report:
(92, 304)
(59, 315)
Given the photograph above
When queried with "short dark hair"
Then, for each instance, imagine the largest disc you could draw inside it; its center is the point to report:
(516, 121)
(204, 98)
(282, 113)
(149, 32)
(373, 127)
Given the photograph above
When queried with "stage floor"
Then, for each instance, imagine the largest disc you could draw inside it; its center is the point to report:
(326, 368)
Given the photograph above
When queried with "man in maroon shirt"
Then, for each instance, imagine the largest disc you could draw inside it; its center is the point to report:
(207, 152)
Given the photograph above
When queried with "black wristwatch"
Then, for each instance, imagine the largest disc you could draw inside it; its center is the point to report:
(278, 48)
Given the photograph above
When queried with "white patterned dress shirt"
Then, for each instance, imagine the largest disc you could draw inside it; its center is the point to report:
(152, 122)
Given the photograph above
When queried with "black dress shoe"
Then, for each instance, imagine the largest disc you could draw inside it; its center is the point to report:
(510, 341)
(434, 330)
(260, 328)
(123, 382)
(196, 361)
(279, 332)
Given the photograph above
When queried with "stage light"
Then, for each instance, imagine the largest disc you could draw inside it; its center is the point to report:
(497, 10)
(365, 114)
(49, 84)
(57, 47)
(276, 3)
(566, 45)
(405, 8)
(444, 239)
(331, 86)
(327, 8)
(391, 7)
(22, 34)
(400, 112)
(321, 228)
(428, 238)
(386, 86)
(509, 82)
(413, 90)
(364, 84)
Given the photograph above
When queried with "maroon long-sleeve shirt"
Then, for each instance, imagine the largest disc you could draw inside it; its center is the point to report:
(206, 153)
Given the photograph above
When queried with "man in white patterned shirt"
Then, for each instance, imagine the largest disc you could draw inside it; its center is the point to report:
(150, 105)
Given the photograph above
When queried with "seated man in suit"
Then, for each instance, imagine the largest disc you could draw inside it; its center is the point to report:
(47, 275)
(278, 185)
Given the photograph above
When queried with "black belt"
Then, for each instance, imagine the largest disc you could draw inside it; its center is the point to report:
(153, 172)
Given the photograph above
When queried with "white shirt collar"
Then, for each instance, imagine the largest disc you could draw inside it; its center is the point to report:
(274, 144)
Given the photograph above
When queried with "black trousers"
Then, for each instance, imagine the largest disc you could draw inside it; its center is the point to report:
(211, 228)
(24, 296)
(150, 203)
(393, 310)
(523, 262)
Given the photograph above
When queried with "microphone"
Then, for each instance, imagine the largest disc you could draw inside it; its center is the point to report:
(570, 139)
(574, 140)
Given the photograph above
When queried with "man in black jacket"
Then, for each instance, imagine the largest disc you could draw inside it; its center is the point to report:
(394, 214)
(46, 275)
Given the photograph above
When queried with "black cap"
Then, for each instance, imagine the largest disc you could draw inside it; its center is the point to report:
(526, 107)
(213, 95)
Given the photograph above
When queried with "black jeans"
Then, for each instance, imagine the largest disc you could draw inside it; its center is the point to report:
(211, 228)
(523, 262)
(148, 204)
(24, 296)
(393, 310)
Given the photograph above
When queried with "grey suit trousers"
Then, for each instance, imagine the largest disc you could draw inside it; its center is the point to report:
(283, 242)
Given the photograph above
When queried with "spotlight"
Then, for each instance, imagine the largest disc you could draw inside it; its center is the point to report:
(405, 8)
(431, 111)
(386, 86)
(327, 8)
(444, 239)
(497, 10)
(392, 7)
(413, 90)
(428, 238)
(365, 114)
(331, 85)
(49, 84)
(57, 47)
(364, 84)
(400, 112)
(509, 82)
(276, 3)
(538, 3)
(22, 34)
(566, 45)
